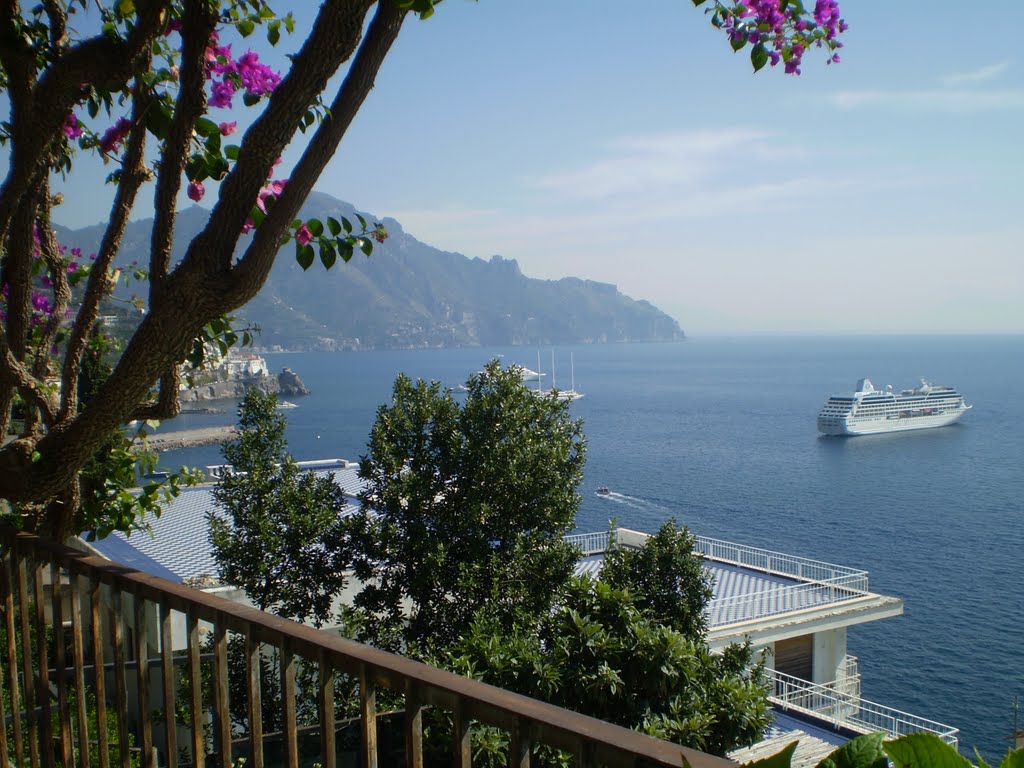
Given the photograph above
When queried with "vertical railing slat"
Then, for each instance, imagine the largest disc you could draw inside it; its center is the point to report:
(167, 678)
(368, 712)
(220, 690)
(43, 672)
(328, 751)
(28, 678)
(461, 736)
(142, 678)
(99, 673)
(4, 749)
(120, 677)
(288, 704)
(413, 727)
(195, 679)
(60, 664)
(12, 652)
(255, 697)
(78, 659)
(520, 746)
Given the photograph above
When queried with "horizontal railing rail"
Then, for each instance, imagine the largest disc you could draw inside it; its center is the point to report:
(62, 607)
(830, 703)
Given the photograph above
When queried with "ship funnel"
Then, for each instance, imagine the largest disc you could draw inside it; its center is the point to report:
(865, 385)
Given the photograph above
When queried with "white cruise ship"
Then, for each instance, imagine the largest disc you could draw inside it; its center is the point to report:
(869, 411)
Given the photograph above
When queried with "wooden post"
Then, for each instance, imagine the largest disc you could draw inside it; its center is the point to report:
(167, 677)
(328, 749)
(368, 720)
(413, 726)
(255, 698)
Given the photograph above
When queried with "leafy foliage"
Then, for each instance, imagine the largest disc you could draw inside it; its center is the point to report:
(284, 540)
(465, 505)
(666, 578)
(598, 652)
(914, 750)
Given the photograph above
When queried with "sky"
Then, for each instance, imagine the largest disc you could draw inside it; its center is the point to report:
(626, 143)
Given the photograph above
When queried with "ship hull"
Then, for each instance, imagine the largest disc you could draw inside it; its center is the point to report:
(855, 426)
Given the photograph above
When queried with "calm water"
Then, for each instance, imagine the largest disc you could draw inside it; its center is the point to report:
(720, 434)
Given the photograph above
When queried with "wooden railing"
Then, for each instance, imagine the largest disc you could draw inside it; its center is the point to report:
(107, 666)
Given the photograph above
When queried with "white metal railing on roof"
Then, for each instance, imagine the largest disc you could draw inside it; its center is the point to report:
(779, 600)
(781, 564)
(819, 583)
(590, 543)
(830, 703)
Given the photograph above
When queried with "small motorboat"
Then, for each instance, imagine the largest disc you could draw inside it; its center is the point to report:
(603, 490)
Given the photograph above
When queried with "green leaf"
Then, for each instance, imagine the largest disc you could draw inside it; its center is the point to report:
(305, 255)
(916, 749)
(195, 168)
(231, 151)
(346, 224)
(364, 245)
(158, 120)
(315, 227)
(250, 100)
(362, 222)
(274, 33)
(328, 256)
(344, 249)
(333, 226)
(246, 27)
(862, 752)
(738, 43)
(758, 56)
(217, 168)
(206, 127)
(1014, 758)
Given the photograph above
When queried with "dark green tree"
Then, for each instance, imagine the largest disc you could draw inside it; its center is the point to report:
(465, 505)
(283, 537)
(666, 578)
(600, 653)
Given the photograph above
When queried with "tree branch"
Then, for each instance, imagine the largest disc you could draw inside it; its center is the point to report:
(197, 28)
(133, 174)
(336, 33)
(254, 266)
(102, 60)
(49, 250)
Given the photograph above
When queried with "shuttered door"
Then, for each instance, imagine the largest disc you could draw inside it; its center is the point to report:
(795, 656)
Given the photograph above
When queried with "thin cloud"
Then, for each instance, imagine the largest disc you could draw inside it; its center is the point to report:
(977, 75)
(935, 100)
(658, 161)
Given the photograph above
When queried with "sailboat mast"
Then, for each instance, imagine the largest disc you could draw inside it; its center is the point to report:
(553, 387)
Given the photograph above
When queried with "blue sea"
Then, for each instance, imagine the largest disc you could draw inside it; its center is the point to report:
(720, 434)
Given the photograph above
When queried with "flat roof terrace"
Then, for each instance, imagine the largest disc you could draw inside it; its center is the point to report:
(753, 588)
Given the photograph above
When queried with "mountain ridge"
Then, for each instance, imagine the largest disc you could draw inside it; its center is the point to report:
(409, 295)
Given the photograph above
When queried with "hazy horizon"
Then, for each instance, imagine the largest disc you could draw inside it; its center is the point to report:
(634, 148)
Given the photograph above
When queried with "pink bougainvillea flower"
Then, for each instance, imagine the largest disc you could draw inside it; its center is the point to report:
(226, 129)
(196, 190)
(303, 235)
(221, 93)
(72, 128)
(115, 134)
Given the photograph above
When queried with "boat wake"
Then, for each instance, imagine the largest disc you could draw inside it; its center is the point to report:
(634, 502)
